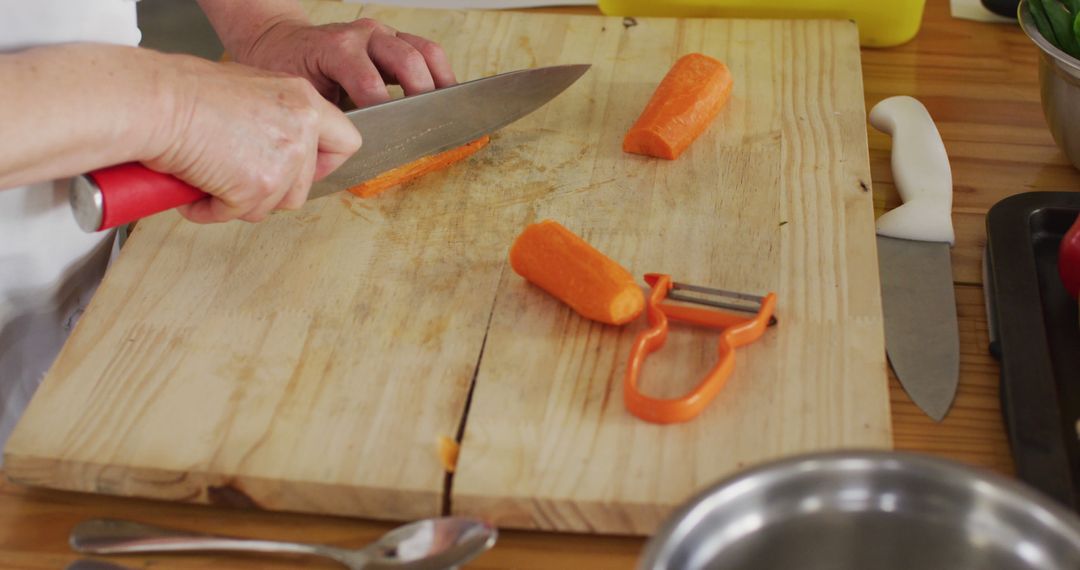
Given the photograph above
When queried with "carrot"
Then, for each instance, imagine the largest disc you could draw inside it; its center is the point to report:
(686, 101)
(561, 263)
(448, 453)
(416, 169)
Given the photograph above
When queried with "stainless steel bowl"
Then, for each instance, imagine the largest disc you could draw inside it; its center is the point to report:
(866, 511)
(1059, 77)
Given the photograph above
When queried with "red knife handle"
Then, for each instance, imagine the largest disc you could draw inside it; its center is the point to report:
(116, 195)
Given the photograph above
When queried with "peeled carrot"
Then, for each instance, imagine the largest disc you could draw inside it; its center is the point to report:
(416, 169)
(448, 453)
(566, 266)
(691, 95)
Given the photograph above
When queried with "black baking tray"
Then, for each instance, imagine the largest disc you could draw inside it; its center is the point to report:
(1004, 8)
(1035, 334)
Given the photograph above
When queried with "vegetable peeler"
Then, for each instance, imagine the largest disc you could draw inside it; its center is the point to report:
(738, 330)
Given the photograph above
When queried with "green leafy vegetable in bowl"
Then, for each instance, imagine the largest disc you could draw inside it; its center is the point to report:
(1059, 22)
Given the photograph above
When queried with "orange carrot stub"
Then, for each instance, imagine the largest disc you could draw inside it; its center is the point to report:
(416, 169)
(686, 101)
(561, 263)
(448, 453)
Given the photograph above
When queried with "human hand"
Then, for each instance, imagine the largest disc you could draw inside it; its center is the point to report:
(360, 58)
(255, 140)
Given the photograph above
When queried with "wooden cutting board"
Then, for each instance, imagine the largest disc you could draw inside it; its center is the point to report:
(311, 362)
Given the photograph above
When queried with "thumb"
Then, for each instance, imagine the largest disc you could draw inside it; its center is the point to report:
(338, 139)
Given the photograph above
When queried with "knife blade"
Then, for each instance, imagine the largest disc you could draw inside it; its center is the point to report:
(917, 294)
(396, 132)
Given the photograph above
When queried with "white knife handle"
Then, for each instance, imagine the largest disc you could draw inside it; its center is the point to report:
(921, 170)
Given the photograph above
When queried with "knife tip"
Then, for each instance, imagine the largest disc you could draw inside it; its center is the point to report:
(936, 410)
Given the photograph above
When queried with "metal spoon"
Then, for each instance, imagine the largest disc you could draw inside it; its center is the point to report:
(435, 543)
(94, 565)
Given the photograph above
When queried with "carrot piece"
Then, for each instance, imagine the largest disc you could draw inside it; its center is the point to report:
(416, 169)
(690, 96)
(566, 266)
(448, 453)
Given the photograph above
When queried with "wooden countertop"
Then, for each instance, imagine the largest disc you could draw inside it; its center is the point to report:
(979, 82)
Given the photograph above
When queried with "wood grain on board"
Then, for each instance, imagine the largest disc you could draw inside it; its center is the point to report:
(311, 362)
(774, 197)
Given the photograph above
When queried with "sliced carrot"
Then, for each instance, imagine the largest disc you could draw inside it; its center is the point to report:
(566, 266)
(416, 169)
(691, 95)
(448, 453)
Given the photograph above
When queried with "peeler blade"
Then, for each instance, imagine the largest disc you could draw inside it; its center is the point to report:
(743, 302)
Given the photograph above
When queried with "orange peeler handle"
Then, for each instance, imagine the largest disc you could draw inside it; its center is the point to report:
(738, 331)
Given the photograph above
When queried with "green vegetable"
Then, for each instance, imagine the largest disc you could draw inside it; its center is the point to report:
(1038, 13)
(1076, 27)
(1061, 22)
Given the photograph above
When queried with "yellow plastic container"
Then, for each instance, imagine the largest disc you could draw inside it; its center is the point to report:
(882, 23)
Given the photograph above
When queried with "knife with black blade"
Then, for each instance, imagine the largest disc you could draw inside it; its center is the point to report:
(395, 133)
(918, 298)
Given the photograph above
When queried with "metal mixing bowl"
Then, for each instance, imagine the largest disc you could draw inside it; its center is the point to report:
(1059, 77)
(870, 510)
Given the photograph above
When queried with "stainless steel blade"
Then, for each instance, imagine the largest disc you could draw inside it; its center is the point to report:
(403, 130)
(921, 335)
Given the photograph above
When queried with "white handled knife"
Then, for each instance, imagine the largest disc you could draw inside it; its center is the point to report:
(919, 302)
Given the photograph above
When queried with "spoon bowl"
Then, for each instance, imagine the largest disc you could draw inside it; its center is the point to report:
(432, 543)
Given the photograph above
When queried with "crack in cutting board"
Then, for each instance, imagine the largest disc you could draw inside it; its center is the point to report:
(311, 362)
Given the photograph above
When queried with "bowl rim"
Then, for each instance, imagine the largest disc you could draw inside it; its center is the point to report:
(1023, 17)
(673, 531)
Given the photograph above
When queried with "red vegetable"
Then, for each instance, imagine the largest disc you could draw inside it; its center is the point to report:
(1069, 260)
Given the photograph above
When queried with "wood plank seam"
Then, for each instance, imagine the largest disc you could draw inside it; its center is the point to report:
(448, 485)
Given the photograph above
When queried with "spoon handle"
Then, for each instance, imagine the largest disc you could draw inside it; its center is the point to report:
(112, 536)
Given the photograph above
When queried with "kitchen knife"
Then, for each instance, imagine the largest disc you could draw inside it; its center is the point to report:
(395, 133)
(919, 302)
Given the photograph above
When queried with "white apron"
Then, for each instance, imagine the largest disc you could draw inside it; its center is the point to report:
(49, 268)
